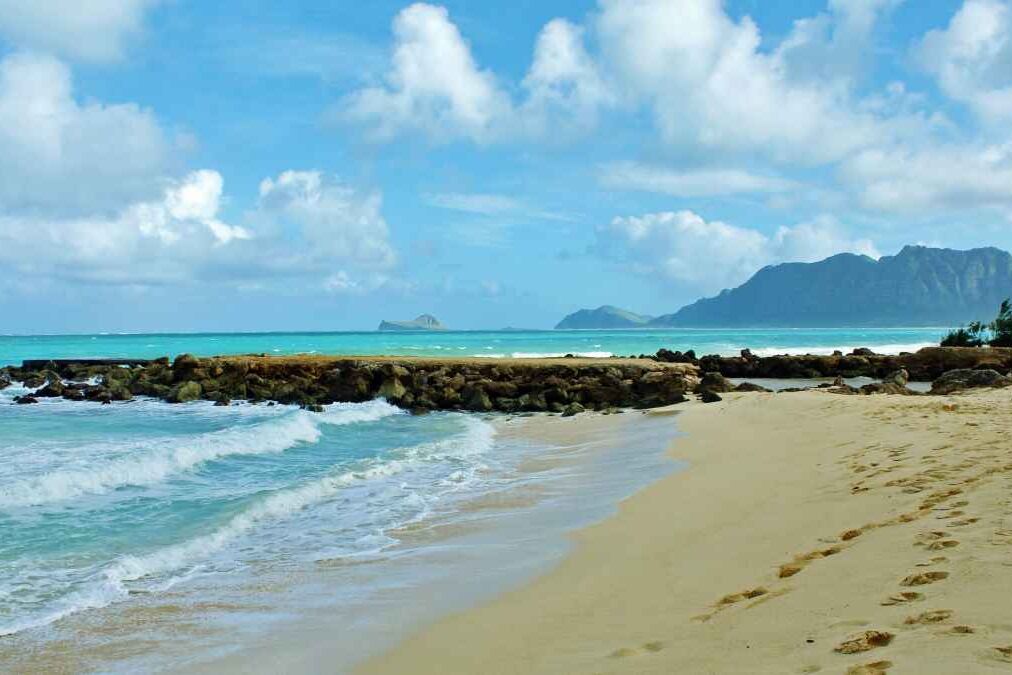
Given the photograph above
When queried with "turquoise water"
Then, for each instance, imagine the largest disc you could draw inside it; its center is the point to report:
(136, 503)
(245, 518)
(13, 349)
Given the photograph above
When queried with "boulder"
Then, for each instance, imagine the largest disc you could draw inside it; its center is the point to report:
(184, 392)
(51, 390)
(714, 382)
(392, 389)
(750, 386)
(958, 380)
(25, 400)
(862, 351)
(709, 396)
(573, 409)
(5, 381)
(899, 377)
(475, 398)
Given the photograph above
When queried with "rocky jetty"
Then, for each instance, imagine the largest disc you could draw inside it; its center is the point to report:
(925, 365)
(421, 384)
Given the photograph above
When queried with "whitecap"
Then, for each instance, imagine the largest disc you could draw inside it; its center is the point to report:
(167, 458)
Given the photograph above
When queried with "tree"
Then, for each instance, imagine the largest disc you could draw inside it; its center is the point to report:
(998, 333)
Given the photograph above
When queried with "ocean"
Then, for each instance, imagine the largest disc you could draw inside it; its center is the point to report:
(14, 348)
(148, 536)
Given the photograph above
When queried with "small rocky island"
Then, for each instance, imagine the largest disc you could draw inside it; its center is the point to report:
(423, 322)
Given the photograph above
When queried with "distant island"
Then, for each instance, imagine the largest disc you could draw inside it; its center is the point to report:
(423, 322)
(919, 286)
(606, 316)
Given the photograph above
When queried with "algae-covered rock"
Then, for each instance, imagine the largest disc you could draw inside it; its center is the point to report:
(184, 392)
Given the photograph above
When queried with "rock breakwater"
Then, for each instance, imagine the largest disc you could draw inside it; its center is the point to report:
(513, 385)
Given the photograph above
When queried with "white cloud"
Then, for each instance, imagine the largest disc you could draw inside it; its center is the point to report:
(972, 57)
(563, 80)
(936, 177)
(58, 154)
(331, 219)
(710, 84)
(690, 182)
(683, 248)
(86, 30)
(306, 227)
(433, 86)
(161, 241)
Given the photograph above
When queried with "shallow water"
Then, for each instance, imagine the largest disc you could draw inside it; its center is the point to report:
(125, 527)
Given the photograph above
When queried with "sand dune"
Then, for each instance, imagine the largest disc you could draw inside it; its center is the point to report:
(811, 533)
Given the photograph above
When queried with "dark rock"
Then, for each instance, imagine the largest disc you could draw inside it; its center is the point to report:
(476, 399)
(714, 382)
(5, 381)
(899, 377)
(862, 351)
(709, 396)
(668, 356)
(25, 400)
(958, 380)
(750, 386)
(184, 392)
(73, 394)
(573, 409)
(222, 402)
(51, 390)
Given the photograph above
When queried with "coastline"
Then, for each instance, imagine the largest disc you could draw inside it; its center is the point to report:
(499, 541)
(803, 522)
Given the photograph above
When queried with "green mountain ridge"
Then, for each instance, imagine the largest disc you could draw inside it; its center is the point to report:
(919, 286)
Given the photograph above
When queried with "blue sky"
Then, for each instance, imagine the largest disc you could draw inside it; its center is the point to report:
(182, 165)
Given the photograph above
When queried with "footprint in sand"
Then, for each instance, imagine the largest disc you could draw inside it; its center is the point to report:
(902, 598)
(876, 668)
(926, 618)
(924, 578)
(944, 544)
(863, 642)
(1003, 654)
(625, 652)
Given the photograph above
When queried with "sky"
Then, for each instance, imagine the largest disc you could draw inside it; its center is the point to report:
(179, 165)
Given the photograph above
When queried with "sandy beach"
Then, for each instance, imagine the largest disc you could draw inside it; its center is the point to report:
(810, 533)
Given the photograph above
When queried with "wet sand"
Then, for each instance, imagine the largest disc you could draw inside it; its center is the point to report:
(811, 533)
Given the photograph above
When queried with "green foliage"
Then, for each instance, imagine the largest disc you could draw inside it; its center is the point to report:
(998, 333)
(1001, 327)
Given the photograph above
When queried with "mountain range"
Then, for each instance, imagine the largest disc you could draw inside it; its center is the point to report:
(919, 286)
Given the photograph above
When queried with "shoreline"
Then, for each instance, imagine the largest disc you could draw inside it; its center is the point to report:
(498, 542)
(808, 531)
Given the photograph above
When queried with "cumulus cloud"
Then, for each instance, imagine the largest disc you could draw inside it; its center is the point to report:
(972, 57)
(563, 80)
(56, 153)
(936, 177)
(683, 248)
(87, 30)
(331, 220)
(306, 227)
(151, 242)
(433, 86)
(690, 182)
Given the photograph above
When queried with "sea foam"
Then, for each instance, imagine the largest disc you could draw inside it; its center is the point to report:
(159, 460)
